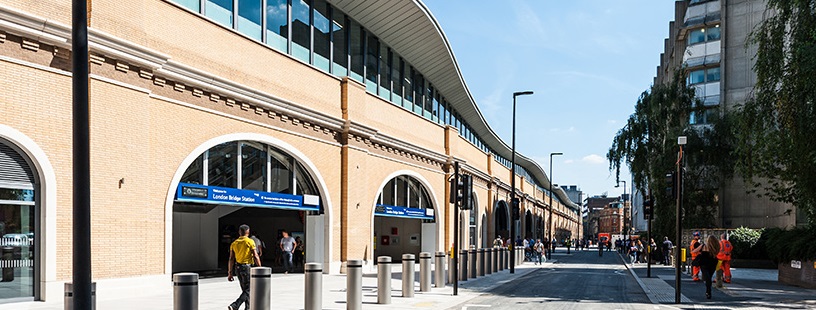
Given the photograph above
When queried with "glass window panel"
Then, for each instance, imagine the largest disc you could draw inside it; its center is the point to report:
(713, 74)
(419, 85)
(407, 86)
(253, 168)
(388, 193)
(713, 33)
(357, 40)
(697, 76)
(402, 192)
(322, 46)
(280, 173)
(222, 165)
(249, 18)
(220, 11)
(300, 29)
(385, 72)
(339, 38)
(413, 194)
(436, 107)
(425, 201)
(305, 183)
(17, 230)
(396, 81)
(277, 30)
(194, 174)
(194, 5)
(372, 63)
(446, 110)
(696, 36)
(429, 108)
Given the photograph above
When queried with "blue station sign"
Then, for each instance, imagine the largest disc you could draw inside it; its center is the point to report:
(404, 212)
(242, 197)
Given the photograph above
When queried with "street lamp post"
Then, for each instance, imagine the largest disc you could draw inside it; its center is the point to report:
(626, 218)
(551, 205)
(513, 203)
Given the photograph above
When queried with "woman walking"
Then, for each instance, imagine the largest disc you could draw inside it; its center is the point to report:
(707, 259)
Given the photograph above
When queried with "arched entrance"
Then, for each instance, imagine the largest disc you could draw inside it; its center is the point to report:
(528, 225)
(473, 216)
(266, 185)
(404, 218)
(19, 225)
(502, 219)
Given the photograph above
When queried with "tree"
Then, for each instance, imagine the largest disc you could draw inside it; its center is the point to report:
(647, 144)
(776, 150)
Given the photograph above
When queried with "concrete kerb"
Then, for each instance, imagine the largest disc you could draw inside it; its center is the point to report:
(654, 296)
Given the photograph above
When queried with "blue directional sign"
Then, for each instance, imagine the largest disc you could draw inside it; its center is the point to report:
(242, 197)
(404, 212)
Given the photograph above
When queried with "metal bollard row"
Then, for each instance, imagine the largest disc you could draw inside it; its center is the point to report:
(472, 263)
(185, 291)
(408, 275)
(354, 285)
(313, 298)
(384, 280)
(260, 288)
(463, 265)
(481, 263)
(424, 272)
(439, 271)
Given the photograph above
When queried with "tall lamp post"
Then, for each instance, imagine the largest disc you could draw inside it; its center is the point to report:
(552, 241)
(626, 218)
(513, 202)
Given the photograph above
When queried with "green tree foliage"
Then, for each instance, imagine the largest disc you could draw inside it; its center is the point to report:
(776, 148)
(746, 243)
(647, 144)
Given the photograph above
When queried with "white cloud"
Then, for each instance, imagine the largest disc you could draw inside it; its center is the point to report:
(611, 121)
(569, 161)
(594, 159)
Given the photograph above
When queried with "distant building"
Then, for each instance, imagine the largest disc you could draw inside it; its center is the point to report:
(573, 193)
(593, 207)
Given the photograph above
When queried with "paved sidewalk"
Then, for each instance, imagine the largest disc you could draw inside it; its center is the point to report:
(750, 288)
(287, 293)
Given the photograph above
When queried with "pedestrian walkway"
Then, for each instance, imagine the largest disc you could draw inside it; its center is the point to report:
(750, 288)
(287, 293)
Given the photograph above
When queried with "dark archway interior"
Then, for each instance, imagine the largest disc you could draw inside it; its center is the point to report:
(501, 222)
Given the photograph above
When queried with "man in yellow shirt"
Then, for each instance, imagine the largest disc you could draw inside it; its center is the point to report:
(243, 254)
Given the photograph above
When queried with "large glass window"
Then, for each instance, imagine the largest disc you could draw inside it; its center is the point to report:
(17, 231)
(696, 36)
(195, 173)
(322, 47)
(419, 91)
(429, 109)
(405, 191)
(436, 107)
(357, 52)
(253, 167)
(280, 173)
(695, 77)
(249, 18)
(713, 33)
(396, 81)
(194, 5)
(372, 63)
(301, 38)
(712, 74)
(219, 11)
(339, 39)
(407, 86)
(277, 30)
(385, 72)
(222, 164)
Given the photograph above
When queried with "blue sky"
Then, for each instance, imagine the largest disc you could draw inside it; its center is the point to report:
(586, 60)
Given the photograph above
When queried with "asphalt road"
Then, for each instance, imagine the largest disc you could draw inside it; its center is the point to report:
(580, 280)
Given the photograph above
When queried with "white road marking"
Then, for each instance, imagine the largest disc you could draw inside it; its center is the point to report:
(465, 307)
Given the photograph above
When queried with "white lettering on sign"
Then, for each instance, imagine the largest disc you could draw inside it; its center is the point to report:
(796, 264)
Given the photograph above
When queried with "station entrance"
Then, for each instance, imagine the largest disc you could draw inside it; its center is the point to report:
(404, 219)
(501, 220)
(249, 183)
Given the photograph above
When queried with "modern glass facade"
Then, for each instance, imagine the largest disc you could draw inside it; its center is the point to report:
(317, 33)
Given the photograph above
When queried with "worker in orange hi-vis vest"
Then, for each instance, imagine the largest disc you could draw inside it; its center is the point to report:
(725, 256)
(695, 243)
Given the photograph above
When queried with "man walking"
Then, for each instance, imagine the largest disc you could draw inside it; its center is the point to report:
(695, 243)
(242, 255)
(538, 249)
(287, 245)
(667, 247)
(725, 256)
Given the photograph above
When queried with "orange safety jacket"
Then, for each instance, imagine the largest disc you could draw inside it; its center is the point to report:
(693, 246)
(725, 250)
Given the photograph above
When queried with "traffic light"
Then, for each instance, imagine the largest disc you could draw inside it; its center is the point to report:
(516, 209)
(467, 191)
(462, 191)
(671, 185)
(648, 207)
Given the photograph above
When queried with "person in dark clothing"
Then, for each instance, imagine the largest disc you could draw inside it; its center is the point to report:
(707, 259)
(667, 247)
